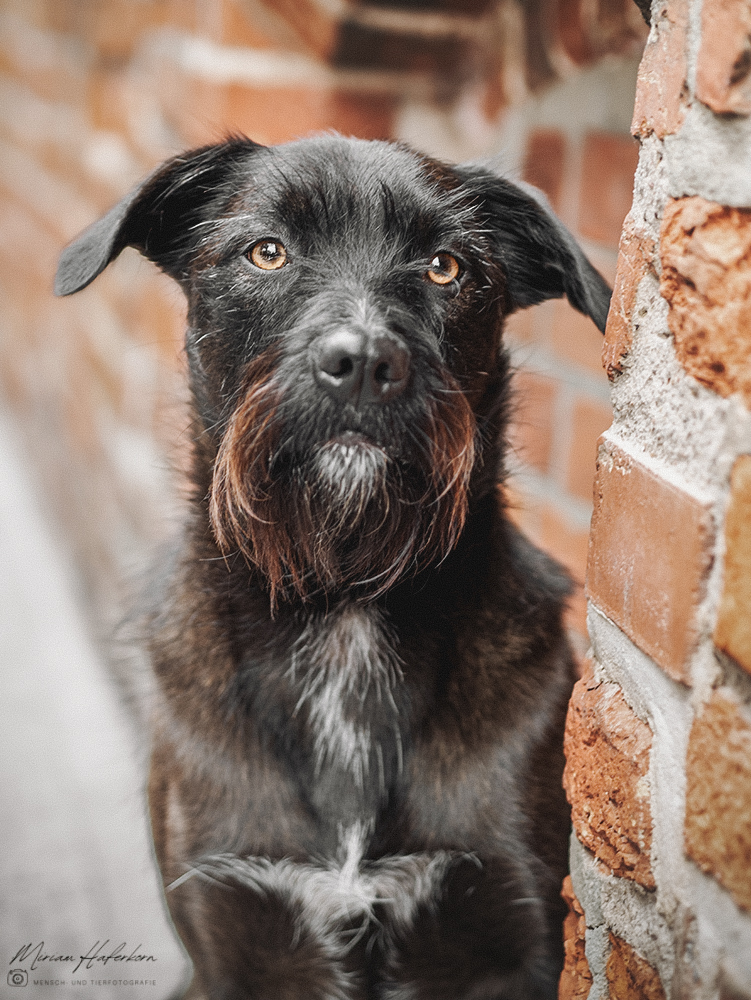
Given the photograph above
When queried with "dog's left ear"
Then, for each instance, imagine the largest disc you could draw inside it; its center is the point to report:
(540, 257)
(160, 217)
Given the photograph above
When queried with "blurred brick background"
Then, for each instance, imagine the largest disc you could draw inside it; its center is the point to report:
(93, 93)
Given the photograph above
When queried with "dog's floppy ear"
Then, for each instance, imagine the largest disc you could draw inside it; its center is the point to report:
(158, 217)
(540, 257)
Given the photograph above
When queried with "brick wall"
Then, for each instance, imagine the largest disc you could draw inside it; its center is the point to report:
(93, 93)
(659, 728)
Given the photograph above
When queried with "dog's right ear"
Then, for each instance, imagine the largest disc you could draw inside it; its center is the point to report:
(159, 217)
(540, 257)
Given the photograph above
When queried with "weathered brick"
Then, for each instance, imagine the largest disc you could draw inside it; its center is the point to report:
(231, 22)
(706, 278)
(587, 32)
(607, 759)
(544, 163)
(353, 34)
(635, 258)
(115, 27)
(607, 185)
(723, 65)
(718, 794)
(531, 433)
(630, 976)
(589, 420)
(661, 84)
(733, 630)
(576, 977)
(202, 110)
(638, 515)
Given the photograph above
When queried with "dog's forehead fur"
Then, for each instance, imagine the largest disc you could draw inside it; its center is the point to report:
(320, 193)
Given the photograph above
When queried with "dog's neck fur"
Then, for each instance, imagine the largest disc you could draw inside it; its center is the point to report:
(346, 669)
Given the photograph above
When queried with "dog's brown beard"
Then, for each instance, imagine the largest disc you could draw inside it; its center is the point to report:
(350, 516)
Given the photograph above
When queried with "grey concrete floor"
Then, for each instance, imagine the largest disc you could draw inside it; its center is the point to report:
(76, 873)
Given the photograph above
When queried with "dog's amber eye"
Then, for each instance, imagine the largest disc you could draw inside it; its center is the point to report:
(443, 269)
(269, 255)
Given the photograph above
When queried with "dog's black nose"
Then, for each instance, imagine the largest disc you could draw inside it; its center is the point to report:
(359, 368)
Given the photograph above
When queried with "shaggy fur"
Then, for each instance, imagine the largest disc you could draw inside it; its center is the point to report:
(361, 667)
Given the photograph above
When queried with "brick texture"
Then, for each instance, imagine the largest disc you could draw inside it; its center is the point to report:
(635, 258)
(660, 90)
(706, 277)
(576, 978)
(654, 600)
(575, 338)
(631, 977)
(723, 67)
(531, 435)
(607, 758)
(589, 421)
(588, 31)
(607, 186)
(718, 794)
(544, 163)
(733, 629)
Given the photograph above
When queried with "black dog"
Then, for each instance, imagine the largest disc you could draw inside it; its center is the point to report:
(362, 672)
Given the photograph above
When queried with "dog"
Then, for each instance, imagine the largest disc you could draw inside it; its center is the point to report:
(361, 667)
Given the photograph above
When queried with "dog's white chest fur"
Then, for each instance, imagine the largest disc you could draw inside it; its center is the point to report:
(346, 669)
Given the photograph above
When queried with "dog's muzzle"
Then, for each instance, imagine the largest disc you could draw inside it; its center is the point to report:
(361, 368)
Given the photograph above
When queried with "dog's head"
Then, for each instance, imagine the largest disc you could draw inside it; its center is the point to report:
(346, 305)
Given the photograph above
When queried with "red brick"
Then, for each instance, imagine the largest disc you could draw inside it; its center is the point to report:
(660, 88)
(706, 279)
(631, 977)
(607, 759)
(649, 553)
(203, 110)
(733, 630)
(233, 24)
(589, 31)
(575, 337)
(576, 977)
(544, 163)
(635, 258)
(723, 65)
(718, 794)
(607, 186)
(531, 433)
(588, 422)
(519, 326)
(352, 34)
(115, 27)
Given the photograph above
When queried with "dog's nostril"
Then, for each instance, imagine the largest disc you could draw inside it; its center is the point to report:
(361, 369)
(344, 368)
(340, 357)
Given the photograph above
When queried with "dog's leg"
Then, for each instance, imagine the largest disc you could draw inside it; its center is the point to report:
(249, 944)
(254, 928)
(479, 939)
